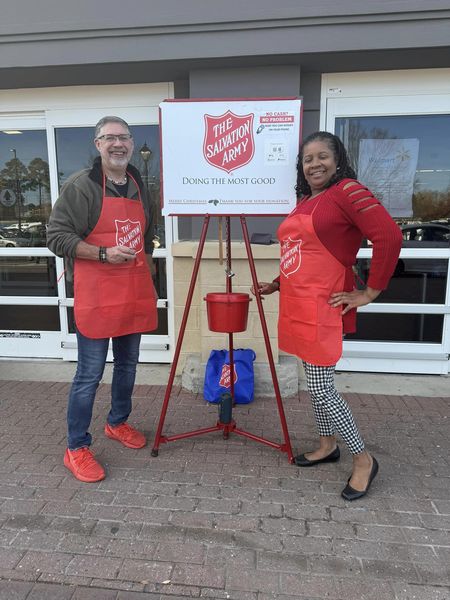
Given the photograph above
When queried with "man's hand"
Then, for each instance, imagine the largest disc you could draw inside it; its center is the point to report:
(114, 255)
(119, 254)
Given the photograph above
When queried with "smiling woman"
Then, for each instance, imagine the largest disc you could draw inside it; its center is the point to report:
(318, 299)
(319, 166)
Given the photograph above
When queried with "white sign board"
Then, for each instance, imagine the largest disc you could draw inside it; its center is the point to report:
(388, 167)
(229, 157)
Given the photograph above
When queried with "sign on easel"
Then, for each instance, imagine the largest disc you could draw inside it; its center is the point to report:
(229, 157)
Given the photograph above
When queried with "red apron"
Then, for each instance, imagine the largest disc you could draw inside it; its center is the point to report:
(308, 326)
(114, 300)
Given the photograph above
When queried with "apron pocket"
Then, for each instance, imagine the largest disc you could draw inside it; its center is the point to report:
(117, 296)
(302, 312)
(125, 296)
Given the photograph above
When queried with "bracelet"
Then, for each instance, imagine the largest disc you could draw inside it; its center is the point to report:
(277, 283)
(102, 254)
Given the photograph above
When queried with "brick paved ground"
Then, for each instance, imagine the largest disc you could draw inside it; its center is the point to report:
(211, 518)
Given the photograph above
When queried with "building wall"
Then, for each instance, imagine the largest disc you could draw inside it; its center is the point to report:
(210, 49)
(46, 43)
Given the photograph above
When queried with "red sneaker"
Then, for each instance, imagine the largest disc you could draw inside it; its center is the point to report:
(130, 437)
(83, 465)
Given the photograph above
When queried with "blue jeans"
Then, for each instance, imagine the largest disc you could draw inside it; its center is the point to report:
(91, 364)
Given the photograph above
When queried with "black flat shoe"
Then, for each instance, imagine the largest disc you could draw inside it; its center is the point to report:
(350, 493)
(302, 461)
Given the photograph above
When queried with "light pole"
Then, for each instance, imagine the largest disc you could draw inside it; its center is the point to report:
(40, 194)
(18, 191)
(146, 155)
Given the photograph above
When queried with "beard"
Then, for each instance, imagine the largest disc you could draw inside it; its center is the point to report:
(118, 161)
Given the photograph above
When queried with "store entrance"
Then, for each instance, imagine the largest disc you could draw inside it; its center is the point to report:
(29, 314)
(403, 156)
(37, 154)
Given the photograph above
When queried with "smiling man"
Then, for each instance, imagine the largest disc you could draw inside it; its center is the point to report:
(101, 224)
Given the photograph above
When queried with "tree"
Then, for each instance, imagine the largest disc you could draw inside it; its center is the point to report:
(14, 176)
(39, 177)
(13, 172)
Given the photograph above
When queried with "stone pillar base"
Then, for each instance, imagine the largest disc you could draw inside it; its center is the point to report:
(287, 369)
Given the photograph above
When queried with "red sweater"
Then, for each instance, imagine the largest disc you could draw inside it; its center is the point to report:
(342, 219)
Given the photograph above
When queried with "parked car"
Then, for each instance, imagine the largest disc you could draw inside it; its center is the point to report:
(37, 235)
(424, 235)
(425, 232)
(12, 239)
(7, 240)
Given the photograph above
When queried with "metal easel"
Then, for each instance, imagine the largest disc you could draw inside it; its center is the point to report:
(231, 427)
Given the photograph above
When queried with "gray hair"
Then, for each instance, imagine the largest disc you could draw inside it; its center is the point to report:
(110, 119)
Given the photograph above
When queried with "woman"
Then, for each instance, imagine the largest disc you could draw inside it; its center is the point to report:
(318, 299)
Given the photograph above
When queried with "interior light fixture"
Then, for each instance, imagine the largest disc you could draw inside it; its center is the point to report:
(12, 132)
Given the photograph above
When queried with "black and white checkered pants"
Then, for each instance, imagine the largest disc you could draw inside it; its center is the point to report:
(331, 411)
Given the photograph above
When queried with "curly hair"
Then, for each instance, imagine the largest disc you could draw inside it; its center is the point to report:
(343, 168)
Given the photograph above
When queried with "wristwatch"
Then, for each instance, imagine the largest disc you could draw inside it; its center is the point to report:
(102, 254)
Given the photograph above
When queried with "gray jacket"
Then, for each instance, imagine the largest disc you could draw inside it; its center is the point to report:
(78, 208)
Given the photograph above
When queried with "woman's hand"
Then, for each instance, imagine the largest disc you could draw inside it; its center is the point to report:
(265, 288)
(353, 299)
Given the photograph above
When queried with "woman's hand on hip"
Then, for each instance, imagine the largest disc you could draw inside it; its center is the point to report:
(353, 299)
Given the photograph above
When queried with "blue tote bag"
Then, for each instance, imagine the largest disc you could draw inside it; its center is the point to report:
(217, 375)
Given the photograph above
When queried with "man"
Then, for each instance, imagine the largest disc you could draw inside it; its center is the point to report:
(102, 224)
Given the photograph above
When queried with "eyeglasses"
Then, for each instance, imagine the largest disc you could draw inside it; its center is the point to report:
(123, 137)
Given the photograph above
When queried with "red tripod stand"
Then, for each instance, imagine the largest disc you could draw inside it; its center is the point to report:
(230, 427)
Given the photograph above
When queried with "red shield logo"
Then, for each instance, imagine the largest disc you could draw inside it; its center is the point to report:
(229, 142)
(129, 233)
(225, 380)
(291, 256)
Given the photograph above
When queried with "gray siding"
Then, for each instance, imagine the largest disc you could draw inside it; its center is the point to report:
(67, 43)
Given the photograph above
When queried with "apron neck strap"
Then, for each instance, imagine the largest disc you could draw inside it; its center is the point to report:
(132, 179)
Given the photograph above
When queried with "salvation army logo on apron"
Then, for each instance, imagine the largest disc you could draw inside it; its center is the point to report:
(129, 233)
(291, 256)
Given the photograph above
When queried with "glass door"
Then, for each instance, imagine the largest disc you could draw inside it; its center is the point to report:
(73, 149)
(29, 315)
(399, 147)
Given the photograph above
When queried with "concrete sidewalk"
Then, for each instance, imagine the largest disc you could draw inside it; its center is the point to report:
(214, 518)
(158, 374)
